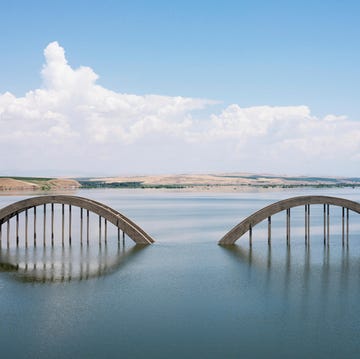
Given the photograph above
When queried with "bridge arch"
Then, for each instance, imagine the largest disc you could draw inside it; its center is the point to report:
(248, 223)
(137, 234)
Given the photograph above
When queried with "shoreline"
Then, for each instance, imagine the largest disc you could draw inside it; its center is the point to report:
(235, 182)
(185, 189)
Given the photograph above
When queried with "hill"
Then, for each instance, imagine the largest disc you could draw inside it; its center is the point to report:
(36, 183)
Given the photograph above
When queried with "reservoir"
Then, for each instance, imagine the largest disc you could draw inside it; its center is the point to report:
(185, 296)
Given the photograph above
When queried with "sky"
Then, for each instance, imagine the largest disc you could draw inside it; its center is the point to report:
(111, 87)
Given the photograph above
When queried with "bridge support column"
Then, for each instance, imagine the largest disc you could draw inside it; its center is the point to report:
(328, 223)
(342, 226)
(269, 231)
(99, 230)
(62, 224)
(81, 226)
(347, 226)
(44, 229)
(17, 229)
(308, 221)
(307, 224)
(8, 234)
(0, 234)
(26, 228)
(52, 224)
(87, 227)
(105, 234)
(288, 226)
(34, 226)
(324, 224)
(250, 235)
(70, 216)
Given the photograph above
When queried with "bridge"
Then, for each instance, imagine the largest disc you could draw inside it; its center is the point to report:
(139, 236)
(105, 214)
(248, 223)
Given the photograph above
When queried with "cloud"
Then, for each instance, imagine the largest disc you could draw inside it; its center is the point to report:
(237, 122)
(73, 125)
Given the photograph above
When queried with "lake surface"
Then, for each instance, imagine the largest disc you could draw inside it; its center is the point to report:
(186, 296)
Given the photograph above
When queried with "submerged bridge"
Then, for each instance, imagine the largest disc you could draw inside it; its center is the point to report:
(266, 213)
(86, 207)
(46, 204)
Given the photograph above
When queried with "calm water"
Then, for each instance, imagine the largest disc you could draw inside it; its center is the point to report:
(185, 296)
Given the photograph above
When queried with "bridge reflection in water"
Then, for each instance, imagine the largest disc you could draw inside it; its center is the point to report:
(308, 281)
(65, 263)
(62, 238)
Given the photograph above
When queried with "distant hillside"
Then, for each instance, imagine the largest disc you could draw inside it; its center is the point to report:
(36, 183)
(226, 181)
(235, 180)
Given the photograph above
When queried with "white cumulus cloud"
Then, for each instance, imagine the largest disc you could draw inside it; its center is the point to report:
(73, 125)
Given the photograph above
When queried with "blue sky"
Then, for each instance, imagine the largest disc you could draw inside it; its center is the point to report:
(251, 52)
(248, 53)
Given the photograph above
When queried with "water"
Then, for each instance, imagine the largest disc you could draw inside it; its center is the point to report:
(185, 296)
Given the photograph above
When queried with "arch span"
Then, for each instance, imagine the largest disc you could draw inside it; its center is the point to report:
(137, 234)
(235, 233)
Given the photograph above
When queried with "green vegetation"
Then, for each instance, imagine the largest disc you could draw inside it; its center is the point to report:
(311, 182)
(135, 184)
(302, 179)
(42, 182)
(103, 184)
(309, 185)
(30, 179)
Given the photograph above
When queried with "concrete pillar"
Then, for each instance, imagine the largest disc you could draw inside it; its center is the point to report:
(347, 226)
(306, 223)
(52, 224)
(288, 226)
(99, 230)
(17, 229)
(269, 230)
(70, 224)
(34, 226)
(105, 235)
(26, 227)
(328, 222)
(81, 226)
(324, 224)
(62, 224)
(250, 235)
(8, 234)
(44, 230)
(87, 226)
(343, 226)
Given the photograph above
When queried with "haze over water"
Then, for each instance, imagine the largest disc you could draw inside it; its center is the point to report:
(185, 296)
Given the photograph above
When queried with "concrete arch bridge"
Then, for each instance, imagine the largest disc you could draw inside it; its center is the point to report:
(267, 212)
(87, 206)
